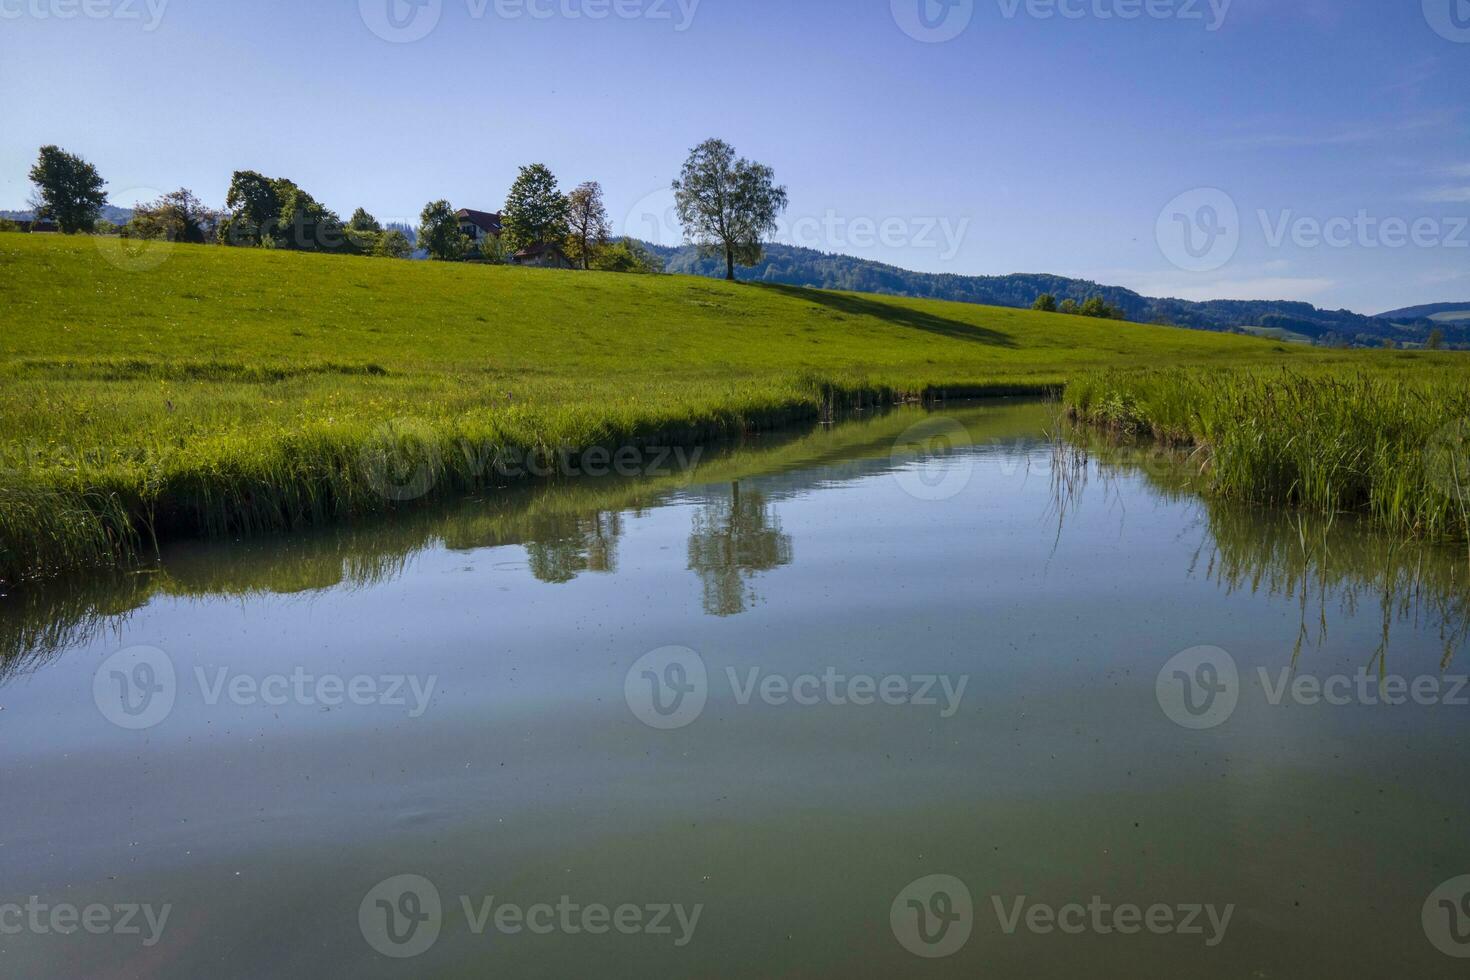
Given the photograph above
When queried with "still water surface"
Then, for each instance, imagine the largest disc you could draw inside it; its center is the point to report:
(735, 721)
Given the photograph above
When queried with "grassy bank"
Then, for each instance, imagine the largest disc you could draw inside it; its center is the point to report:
(233, 391)
(1387, 438)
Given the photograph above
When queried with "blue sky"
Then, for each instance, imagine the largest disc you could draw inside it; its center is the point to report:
(1177, 147)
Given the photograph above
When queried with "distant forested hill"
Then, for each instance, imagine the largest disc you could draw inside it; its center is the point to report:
(807, 267)
(1444, 313)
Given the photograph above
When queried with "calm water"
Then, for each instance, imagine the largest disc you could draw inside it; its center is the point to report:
(847, 703)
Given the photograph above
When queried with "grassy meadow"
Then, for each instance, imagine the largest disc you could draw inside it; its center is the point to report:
(205, 390)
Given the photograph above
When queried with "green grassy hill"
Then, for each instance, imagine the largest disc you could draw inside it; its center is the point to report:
(193, 389)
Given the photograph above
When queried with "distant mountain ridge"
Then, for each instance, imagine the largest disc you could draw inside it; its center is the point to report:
(1449, 312)
(794, 266)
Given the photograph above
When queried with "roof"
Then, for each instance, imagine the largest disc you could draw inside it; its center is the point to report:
(481, 219)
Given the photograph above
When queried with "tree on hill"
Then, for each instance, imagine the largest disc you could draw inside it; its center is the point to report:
(1069, 306)
(254, 208)
(362, 221)
(439, 233)
(392, 244)
(1045, 303)
(728, 204)
(69, 190)
(1098, 307)
(627, 255)
(1435, 340)
(536, 211)
(588, 224)
(177, 217)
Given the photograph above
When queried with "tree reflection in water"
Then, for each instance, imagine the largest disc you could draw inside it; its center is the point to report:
(734, 538)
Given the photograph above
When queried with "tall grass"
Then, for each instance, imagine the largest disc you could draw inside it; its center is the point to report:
(1390, 445)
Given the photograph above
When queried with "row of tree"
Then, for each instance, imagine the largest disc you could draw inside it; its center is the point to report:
(728, 206)
(1094, 306)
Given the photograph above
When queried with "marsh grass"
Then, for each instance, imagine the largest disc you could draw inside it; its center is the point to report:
(1390, 445)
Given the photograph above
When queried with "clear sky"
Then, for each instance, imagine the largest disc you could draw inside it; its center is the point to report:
(964, 136)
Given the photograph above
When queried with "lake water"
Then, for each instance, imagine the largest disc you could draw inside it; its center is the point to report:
(863, 701)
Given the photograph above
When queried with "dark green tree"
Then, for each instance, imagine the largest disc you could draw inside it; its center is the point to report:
(254, 209)
(392, 244)
(362, 221)
(1435, 340)
(1045, 303)
(727, 204)
(439, 233)
(536, 211)
(69, 190)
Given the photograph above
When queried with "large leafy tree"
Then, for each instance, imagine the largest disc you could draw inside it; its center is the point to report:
(68, 190)
(439, 232)
(728, 204)
(587, 220)
(535, 210)
(254, 209)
